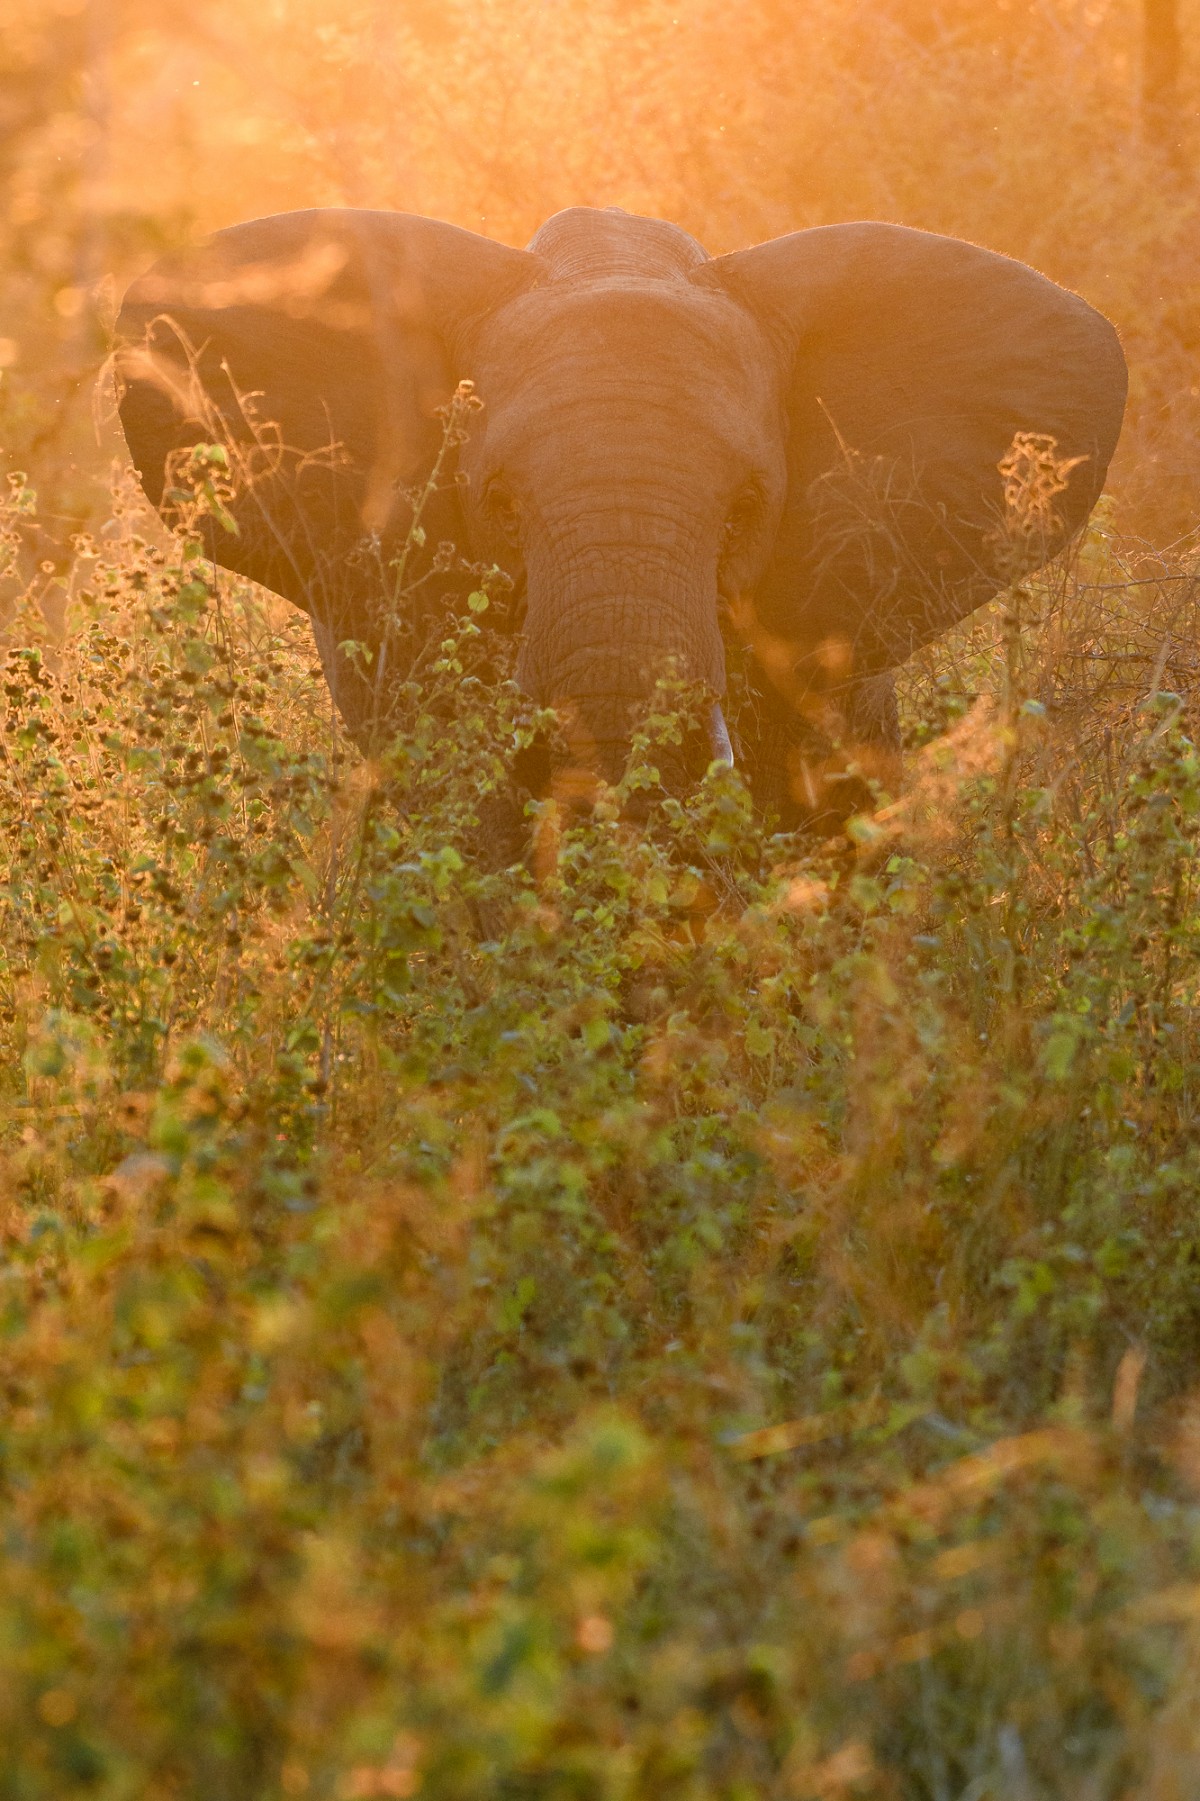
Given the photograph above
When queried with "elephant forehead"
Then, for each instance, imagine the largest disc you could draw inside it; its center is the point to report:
(585, 242)
(617, 337)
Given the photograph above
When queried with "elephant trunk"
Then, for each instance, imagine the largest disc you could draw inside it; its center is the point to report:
(603, 626)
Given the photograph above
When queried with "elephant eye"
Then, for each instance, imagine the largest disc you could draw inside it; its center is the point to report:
(503, 510)
(739, 520)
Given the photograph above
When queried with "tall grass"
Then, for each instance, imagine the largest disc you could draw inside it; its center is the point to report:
(682, 1314)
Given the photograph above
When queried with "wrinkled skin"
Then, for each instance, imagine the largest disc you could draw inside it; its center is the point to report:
(631, 458)
(788, 455)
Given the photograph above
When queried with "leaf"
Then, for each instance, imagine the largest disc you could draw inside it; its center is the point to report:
(356, 652)
(1058, 1054)
(220, 511)
(513, 1308)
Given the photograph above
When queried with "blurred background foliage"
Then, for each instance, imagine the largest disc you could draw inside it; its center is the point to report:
(128, 125)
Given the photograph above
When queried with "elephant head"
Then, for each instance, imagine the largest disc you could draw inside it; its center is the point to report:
(800, 446)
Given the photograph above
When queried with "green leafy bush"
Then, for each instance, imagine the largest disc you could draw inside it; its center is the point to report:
(688, 1313)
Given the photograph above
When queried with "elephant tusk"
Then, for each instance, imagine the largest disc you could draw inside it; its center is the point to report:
(718, 737)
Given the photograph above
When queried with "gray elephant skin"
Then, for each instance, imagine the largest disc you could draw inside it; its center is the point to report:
(786, 459)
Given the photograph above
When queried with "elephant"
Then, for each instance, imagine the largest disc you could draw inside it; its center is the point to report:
(802, 460)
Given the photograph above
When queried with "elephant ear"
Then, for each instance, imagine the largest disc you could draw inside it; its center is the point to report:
(316, 348)
(951, 416)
